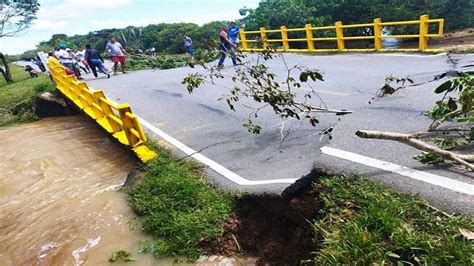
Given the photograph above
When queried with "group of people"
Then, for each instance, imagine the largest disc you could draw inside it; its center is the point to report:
(228, 43)
(90, 60)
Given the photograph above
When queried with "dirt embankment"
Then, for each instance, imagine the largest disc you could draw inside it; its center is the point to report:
(277, 230)
(455, 41)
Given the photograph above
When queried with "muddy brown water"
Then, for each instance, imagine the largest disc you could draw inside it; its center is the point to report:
(60, 202)
(59, 198)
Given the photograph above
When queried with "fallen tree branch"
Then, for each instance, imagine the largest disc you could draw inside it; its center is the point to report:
(413, 141)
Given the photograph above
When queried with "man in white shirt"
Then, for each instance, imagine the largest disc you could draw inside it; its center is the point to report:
(116, 52)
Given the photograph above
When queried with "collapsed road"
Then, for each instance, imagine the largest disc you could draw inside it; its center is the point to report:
(204, 128)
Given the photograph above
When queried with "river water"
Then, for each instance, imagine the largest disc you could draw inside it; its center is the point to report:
(59, 198)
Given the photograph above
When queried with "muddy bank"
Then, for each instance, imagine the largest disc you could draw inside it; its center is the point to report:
(277, 230)
(59, 198)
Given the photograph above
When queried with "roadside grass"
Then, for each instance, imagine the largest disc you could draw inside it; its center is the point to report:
(178, 207)
(462, 50)
(365, 223)
(18, 99)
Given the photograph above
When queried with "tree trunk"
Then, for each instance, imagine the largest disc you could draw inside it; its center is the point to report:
(6, 71)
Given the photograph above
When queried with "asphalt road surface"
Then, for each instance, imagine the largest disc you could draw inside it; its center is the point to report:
(204, 128)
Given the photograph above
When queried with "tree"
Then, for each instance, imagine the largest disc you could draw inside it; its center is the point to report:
(15, 16)
(295, 13)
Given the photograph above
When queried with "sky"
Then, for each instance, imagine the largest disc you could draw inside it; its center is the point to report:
(82, 16)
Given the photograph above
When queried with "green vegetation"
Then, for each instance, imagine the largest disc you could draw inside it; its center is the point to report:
(166, 38)
(178, 207)
(139, 62)
(365, 223)
(121, 255)
(295, 13)
(18, 99)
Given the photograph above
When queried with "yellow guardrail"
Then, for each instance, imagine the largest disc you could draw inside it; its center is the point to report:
(116, 119)
(262, 41)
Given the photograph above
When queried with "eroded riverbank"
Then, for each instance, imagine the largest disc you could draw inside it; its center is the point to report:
(59, 203)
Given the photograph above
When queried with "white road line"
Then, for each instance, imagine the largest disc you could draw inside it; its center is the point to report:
(228, 174)
(399, 54)
(433, 179)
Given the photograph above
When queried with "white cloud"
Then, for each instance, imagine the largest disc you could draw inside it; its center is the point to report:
(115, 23)
(78, 9)
(49, 25)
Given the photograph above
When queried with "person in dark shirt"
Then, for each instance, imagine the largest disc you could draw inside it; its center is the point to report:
(94, 59)
(226, 47)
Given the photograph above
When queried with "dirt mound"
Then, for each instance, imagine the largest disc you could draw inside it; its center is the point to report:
(276, 229)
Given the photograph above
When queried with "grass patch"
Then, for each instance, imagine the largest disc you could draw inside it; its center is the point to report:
(365, 223)
(178, 207)
(18, 99)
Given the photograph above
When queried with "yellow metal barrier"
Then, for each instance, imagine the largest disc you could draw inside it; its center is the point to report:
(263, 41)
(116, 119)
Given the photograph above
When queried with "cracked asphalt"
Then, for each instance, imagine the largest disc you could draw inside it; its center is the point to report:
(205, 124)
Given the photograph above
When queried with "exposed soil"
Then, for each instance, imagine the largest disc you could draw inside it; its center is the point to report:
(459, 40)
(50, 105)
(275, 229)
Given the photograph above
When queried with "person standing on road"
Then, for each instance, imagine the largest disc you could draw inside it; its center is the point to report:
(80, 57)
(226, 46)
(92, 56)
(116, 52)
(188, 45)
(234, 31)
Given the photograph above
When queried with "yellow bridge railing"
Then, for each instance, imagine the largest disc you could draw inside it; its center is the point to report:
(116, 119)
(260, 41)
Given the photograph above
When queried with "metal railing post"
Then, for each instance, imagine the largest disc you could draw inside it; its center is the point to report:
(423, 44)
(284, 38)
(243, 40)
(378, 34)
(263, 35)
(128, 124)
(309, 36)
(340, 36)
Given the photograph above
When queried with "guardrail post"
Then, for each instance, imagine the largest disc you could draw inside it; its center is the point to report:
(423, 44)
(128, 124)
(441, 28)
(263, 35)
(377, 34)
(309, 36)
(243, 40)
(284, 38)
(340, 36)
(107, 111)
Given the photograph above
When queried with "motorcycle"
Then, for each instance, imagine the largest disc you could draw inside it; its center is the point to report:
(40, 64)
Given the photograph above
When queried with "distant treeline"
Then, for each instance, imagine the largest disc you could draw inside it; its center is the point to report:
(167, 38)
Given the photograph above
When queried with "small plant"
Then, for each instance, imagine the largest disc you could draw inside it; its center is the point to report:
(121, 255)
(388, 88)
